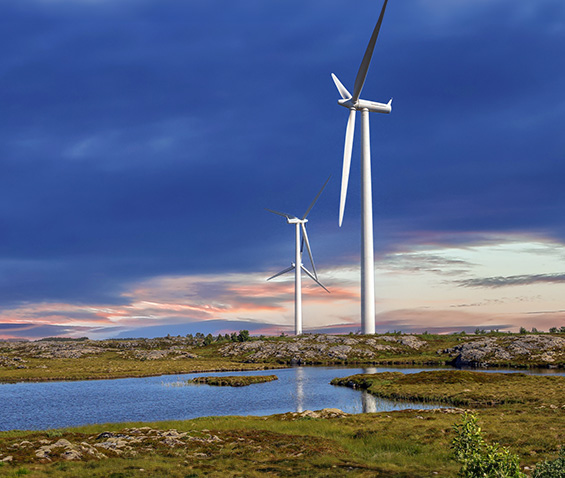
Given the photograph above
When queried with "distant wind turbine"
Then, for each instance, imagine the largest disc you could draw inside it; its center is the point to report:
(301, 238)
(354, 104)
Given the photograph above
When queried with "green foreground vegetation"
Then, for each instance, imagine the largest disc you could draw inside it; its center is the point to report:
(529, 419)
(233, 380)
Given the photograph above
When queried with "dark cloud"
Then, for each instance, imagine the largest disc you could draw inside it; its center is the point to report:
(495, 282)
(143, 138)
(35, 331)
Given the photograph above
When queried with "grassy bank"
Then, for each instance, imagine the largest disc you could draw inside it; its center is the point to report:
(463, 388)
(74, 360)
(232, 380)
(411, 443)
(91, 359)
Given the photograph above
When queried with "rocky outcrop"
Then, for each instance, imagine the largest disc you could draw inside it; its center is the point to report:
(312, 349)
(16, 353)
(128, 442)
(544, 350)
(325, 413)
(12, 362)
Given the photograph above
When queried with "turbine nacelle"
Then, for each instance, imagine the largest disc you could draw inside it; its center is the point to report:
(296, 220)
(372, 106)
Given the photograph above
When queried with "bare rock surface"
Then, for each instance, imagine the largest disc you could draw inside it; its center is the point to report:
(492, 351)
(311, 349)
(129, 442)
(325, 413)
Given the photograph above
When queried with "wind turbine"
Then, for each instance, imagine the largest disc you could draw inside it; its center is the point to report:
(301, 238)
(354, 104)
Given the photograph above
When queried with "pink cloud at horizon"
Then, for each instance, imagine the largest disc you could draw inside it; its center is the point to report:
(445, 289)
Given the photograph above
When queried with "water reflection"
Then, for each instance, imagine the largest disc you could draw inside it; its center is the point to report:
(368, 402)
(37, 406)
(300, 378)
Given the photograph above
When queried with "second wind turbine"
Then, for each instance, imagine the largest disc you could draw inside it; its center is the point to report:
(300, 238)
(354, 104)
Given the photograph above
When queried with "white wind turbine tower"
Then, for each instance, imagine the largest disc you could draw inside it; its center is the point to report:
(354, 104)
(301, 238)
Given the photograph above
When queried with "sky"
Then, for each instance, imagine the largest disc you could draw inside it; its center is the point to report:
(142, 140)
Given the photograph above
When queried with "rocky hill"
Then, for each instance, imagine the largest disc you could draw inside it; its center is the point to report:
(543, 350)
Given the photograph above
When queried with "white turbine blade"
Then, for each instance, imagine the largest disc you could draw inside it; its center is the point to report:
(314, 279)
(364, 68)
(346, 162)
(305, 238)
(283, 214)
(342, 89)
(315, 199)
(288, 269)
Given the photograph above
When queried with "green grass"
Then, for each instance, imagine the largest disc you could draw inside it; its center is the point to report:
(110, 365)
(395, 444)
(233, 380)
(463, 388)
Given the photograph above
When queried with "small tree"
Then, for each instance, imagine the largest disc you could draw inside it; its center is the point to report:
(479, 459)
(243, 336)
(208, 339)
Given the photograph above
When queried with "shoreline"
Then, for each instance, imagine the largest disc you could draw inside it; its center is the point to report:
(72, 360)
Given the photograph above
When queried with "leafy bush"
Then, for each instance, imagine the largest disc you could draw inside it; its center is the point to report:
(551, 468)
(479, 459)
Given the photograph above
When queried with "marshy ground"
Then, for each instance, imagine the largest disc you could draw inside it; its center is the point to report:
(410, 443)
(525, 413)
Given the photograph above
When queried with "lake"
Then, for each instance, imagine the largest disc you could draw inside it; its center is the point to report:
(46, 405)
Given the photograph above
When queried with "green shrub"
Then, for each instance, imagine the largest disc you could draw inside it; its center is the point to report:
(479, 459)
(551, 468)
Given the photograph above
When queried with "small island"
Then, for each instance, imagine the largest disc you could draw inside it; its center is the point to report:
(232, 380)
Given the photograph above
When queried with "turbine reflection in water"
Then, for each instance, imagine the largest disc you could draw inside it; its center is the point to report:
(300, 379)
(368, 401)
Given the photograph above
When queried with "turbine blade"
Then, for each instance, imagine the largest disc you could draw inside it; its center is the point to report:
(288, 269)
(364, 68)
(305, 238)
(315, 199)
(342, 89)
(346, 162)
(314, 279)
(283, 214)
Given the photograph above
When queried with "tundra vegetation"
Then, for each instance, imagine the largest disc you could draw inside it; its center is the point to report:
(232, 380)
(82, 359)
(521, 413)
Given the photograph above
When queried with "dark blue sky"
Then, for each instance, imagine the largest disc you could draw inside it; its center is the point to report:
(143, 138)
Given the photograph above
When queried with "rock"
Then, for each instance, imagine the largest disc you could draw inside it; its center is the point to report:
(545, 349)
(71, 454)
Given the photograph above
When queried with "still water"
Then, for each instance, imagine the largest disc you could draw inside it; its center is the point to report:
(40, 406)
